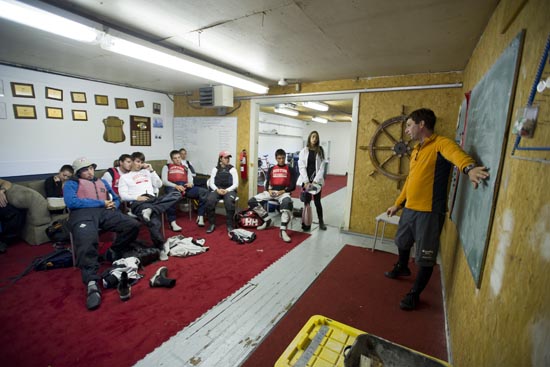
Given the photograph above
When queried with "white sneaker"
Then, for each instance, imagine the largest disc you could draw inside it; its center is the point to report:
(175, 226)
(265, 225)
(146, 214)
(200, 221)
(284, 236)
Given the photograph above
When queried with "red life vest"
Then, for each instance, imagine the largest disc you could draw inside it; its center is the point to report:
(92, 189)
(116, 177)
(280, 177)
(177, 173)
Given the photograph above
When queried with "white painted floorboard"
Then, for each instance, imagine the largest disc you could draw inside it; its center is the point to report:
(225, 335)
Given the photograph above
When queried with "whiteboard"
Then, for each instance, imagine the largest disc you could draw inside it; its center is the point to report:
(204, 138)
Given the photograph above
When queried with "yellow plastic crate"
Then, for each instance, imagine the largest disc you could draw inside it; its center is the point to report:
(321, 343)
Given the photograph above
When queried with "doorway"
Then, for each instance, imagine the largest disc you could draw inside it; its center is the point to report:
(268, 130)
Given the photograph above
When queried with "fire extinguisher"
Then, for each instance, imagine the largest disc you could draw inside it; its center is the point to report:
(244, 169)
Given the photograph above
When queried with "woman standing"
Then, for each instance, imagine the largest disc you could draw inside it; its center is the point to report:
(311, 164)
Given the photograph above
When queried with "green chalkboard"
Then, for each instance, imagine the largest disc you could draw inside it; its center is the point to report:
(485, 139)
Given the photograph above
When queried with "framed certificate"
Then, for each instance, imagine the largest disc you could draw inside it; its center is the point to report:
(54, 113)
(78, 97)
(22, 90)
(80, 115)
(24, 111)
(121, 103)
(140, 104)
(101, 100)
(156, 108)
(52, 93)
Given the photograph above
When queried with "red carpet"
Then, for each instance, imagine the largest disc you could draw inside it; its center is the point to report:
(353, 290)
(332, 183)
(45, 322)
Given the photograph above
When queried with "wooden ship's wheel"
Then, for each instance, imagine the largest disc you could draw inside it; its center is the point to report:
(390, 149)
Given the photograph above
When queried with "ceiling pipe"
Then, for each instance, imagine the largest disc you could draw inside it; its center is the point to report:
(365, 90)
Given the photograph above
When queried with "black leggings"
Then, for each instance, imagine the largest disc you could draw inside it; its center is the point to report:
(318, 206)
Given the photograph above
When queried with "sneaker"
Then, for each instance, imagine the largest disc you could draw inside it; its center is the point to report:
(93, 299)
(160, 279)
(409, 302)
(398, 271)
(284, 236)
(174, 226)
(124, 288)
(322, 225)
(200, 221)
(146, 214)
(211, 228)
(265, 225)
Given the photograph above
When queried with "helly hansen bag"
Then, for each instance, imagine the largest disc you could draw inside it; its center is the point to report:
(248, 219)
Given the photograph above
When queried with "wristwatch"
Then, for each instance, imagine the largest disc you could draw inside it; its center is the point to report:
(469, 168)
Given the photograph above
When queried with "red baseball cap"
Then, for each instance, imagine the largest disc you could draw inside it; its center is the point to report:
(225, 153)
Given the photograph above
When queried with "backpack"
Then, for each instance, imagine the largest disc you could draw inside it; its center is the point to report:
(61, 258)
(242, 236)
(248, 219)
(58, 231)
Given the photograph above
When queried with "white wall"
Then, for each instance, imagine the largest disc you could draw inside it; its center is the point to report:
(43, 145)
(279, 132)
(339, 135)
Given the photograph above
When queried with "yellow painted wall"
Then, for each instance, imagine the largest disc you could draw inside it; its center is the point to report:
(507, 321)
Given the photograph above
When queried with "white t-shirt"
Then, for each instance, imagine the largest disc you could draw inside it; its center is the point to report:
(136, 183)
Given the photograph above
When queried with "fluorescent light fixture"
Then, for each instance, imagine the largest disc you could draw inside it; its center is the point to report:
(46, 21)
(49, 22)
(316, 106)
(320, 120)
(286, 111)
(184, 65)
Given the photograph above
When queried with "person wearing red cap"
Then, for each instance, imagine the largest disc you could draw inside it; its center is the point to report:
(223, 183)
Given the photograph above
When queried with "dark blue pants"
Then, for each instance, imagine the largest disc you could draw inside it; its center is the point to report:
(195, 192)
(85, 224)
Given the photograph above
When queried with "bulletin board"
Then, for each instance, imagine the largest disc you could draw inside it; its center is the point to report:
(485, 140)
(204, 138)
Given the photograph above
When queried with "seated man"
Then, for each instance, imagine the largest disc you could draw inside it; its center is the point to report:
(92, 209)
(280, 182)
(12, 219)
(223, 182)
(138, 188)
(112, 175)
(177, 177)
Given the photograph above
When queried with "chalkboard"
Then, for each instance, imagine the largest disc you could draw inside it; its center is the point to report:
(204, 138)
(485, 140)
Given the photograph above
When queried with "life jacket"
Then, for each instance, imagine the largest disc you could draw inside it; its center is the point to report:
(114, 172)
(223, 178)
(92, 189)
(177, 173)
(280, 177)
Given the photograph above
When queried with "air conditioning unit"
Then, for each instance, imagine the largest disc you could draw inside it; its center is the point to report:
(216, 96)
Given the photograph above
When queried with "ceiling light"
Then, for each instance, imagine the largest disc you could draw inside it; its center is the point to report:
(316, 106)
(282, 82)
(321, 120)
(179, 63)
(49, 22)
(286, 111)
(45, 21)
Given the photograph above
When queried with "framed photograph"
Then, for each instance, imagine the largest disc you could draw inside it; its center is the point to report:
(54, 112)
(121, 103)
(78, 97)
(22, 90)
(140, 104)
(80, 115)
(22, 111)
(156, 108)
(52, 93)
(101, 100)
